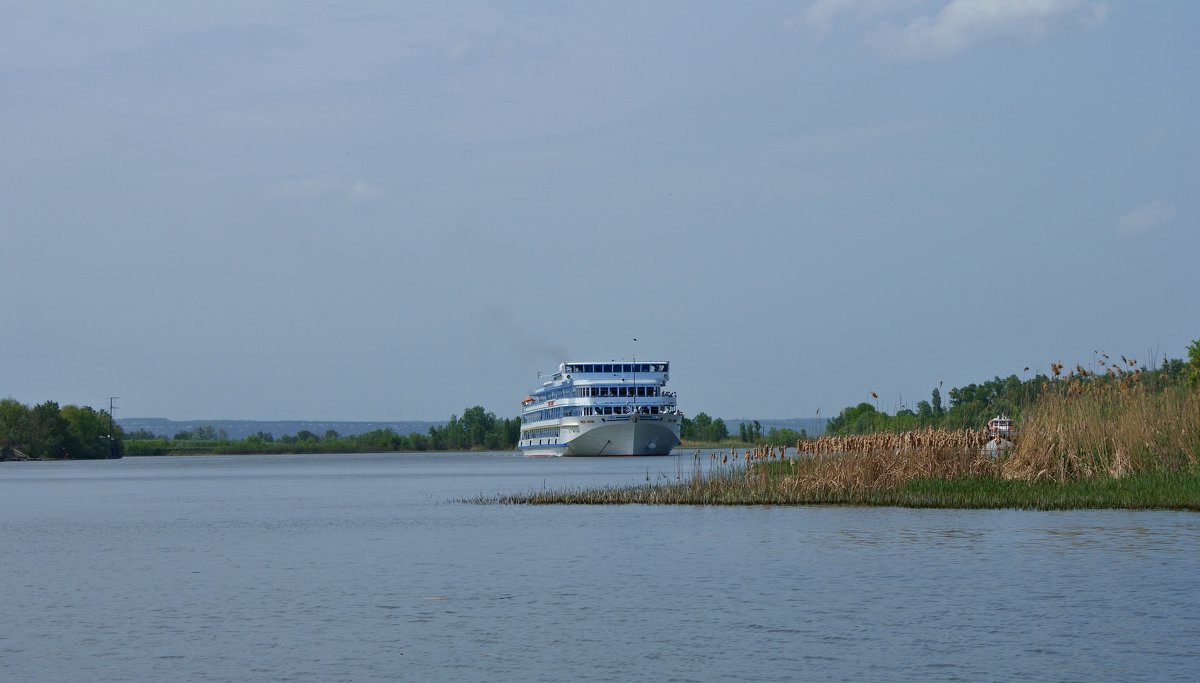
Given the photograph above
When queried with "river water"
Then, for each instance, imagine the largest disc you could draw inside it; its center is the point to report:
(367, 567)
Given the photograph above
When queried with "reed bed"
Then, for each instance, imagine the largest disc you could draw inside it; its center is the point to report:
(1114, 428)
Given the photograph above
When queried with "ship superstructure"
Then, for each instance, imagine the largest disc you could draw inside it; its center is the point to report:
(600, 409)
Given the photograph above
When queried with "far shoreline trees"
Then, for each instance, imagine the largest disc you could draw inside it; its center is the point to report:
(477, 429)
(47, 431)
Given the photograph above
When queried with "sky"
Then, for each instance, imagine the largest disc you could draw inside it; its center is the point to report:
(394, 211)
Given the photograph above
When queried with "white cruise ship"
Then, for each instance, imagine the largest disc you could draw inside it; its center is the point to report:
(614, 408)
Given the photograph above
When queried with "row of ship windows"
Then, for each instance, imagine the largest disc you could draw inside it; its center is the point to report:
(617, 367)
(620, 391)
(576, 411)
(546, 432)
(604, 391)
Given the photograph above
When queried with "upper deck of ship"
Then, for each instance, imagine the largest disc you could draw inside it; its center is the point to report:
(641, 372)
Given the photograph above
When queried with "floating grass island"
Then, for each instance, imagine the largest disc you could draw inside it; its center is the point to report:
(1179, 491)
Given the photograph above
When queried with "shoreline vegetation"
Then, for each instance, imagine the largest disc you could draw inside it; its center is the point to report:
(1126, 437)
(48, 432)
(476, 430)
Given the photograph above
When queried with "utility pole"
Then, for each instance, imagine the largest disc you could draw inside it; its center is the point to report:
(112, 439)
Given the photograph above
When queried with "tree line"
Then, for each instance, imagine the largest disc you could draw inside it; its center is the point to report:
(47, 430)
(477, 429)
(707, 429)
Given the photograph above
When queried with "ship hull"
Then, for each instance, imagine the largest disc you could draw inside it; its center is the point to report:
(613, 436)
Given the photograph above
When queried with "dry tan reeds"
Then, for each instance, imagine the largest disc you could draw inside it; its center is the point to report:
(886, 460)
(1108, 427)
(858, 463)
(919, 441)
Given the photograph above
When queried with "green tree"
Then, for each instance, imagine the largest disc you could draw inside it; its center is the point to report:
(697, 427)
(783, 436)
(717, 431)
(14, 424)
(925, 412)
(860, 419)
(50, 432)
(1194, 362)
(89, 433)
(476, 425)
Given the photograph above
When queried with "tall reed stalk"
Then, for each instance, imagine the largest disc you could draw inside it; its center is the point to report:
(1111, 428)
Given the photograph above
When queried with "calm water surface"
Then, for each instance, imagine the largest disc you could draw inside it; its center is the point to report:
(365, 567)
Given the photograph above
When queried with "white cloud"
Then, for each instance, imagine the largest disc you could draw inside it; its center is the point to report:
(322, 187)
(964, 24)
(1146, 218)
(956, 27)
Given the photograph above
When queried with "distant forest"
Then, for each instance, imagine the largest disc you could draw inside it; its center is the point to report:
(477, 429)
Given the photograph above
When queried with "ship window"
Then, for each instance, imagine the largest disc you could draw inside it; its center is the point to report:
(608, 368)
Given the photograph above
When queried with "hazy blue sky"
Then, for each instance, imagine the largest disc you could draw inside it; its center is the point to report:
(319, 210)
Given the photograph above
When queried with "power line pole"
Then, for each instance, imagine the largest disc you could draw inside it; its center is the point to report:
(112, 439)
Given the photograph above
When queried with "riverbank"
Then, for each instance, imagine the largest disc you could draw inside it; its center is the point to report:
(160, 448)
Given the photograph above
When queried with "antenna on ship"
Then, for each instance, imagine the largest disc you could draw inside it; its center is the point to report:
(635, 368)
